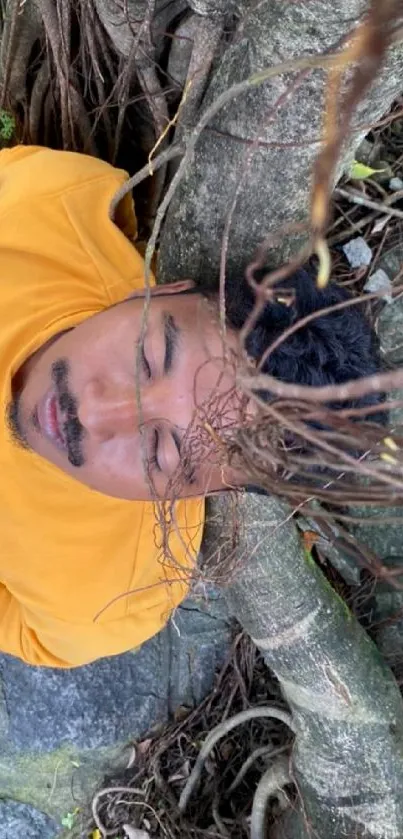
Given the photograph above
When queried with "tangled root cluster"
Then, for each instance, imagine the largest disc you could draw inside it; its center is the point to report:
(248, 739)
(97, 76)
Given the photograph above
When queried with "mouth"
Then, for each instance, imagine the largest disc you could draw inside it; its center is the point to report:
(48, 419)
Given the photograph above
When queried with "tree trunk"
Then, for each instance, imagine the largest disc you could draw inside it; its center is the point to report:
(347, 763)
(261, 147)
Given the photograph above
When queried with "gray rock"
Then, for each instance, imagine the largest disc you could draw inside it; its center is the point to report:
(391, 261)
(20, 821)
(379, 282)
(390, 329)
(390, 321)
(385, 540)
(395, 184)
(357, 252)
(61, 731)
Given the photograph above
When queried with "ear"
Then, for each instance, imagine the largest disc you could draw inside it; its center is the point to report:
(173, 288)
(167, 288)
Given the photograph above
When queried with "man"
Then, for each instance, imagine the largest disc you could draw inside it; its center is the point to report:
(97, 407)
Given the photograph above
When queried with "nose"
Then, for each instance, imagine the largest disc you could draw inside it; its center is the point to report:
(109, 409)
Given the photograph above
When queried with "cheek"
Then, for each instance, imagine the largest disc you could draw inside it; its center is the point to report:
(211, 476)
(203, 376)
(216, 400)
(114, 468)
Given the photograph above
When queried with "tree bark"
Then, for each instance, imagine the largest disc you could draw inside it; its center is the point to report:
(266, 138)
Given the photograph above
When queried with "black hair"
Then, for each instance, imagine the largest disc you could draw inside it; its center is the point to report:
(330, 349)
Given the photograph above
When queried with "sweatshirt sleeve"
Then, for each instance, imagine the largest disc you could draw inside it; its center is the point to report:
(62, 202)
(50, 642)
(35, 172)
(16, 637)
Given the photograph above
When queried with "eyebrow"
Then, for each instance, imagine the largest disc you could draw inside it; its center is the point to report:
(172, 335)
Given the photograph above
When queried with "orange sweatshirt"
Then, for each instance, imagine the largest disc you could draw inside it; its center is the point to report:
(66, 551)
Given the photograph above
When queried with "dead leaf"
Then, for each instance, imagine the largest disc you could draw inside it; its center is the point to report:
(380, 224)
(309, 537)
(226, 750)
(210, 766)
(182, 775)
(144, 746)
(181, 713)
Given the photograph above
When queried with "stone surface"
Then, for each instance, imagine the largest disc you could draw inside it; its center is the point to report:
(390, 333)
(357, 252)
(379, 282)
(395, 184)
(391, 261)
(61, 730)
(20, 821)
(391, 322)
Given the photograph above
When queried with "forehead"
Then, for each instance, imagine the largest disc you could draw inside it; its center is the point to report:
(189, 306)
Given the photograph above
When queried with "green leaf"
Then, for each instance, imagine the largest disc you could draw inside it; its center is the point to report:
(69, 819)
(7, 125)
(359, 171)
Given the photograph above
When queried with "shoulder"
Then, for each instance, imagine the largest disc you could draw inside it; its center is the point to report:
(54, 208)
(27, 171)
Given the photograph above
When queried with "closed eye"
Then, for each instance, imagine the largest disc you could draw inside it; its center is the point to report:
(152, 459)
(144, 362)
(188, 470)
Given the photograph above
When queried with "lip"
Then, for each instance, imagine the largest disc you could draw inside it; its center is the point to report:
(49, 420)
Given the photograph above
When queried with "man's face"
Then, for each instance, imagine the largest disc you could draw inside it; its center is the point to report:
(130, 418)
